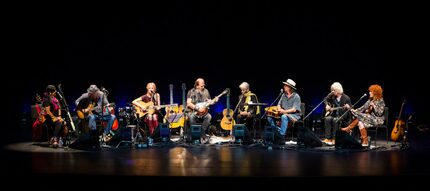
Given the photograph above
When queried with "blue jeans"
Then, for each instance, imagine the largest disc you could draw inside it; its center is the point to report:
(284, 124)
(109, 118)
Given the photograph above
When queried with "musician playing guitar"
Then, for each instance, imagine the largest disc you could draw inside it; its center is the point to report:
(94, 105)
(368, 115)
(289, 107)
(146, 107)
(335, 105)
(198, 102)
(52, 110)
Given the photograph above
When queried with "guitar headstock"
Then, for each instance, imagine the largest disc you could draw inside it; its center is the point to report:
(38, 98)
(226, 91)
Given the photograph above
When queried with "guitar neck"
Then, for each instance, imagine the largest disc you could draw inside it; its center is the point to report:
(171, 93)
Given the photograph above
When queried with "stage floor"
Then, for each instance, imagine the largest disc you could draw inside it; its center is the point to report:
(218, 159)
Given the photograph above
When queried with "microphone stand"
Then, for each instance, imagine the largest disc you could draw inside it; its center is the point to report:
(69, 117)
(343, 115)
(237, 106)
(316, 106)
(265, 112)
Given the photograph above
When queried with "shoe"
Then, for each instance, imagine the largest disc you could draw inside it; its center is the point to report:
(54, 142)
(107, 137)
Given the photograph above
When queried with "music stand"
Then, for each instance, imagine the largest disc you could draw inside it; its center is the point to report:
(259, 120)
(174, 118)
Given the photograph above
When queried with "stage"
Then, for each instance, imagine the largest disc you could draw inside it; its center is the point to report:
(216, 159)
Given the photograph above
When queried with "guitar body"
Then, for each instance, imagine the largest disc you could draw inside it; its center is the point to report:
(205, 111)
(115, 124)
(40, 114)
(40, 109)
(227, 121)
(272, 112)
(399, 126)
(206, 104)
(82, 115)
(140, 112)
(398, 130)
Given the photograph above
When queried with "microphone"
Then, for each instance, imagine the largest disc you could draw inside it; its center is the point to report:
(329, 94)
(104, 89)
(364, 95)
(282, 91)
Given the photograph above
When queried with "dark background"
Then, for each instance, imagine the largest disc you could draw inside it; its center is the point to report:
(226, 43)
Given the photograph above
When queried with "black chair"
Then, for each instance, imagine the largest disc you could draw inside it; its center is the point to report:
(299, 122)
(384, 125)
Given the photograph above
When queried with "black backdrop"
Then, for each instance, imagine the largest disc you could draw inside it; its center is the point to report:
(225, 43)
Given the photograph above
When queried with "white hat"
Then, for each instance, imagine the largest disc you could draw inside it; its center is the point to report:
(290, 83)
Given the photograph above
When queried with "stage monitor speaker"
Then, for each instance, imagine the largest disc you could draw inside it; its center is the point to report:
(164, 132)
(346, 141)
(269, 134)
(308, 138)
(196, 132)
(239, 132)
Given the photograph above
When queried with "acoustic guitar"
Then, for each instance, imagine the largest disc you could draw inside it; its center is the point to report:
(40, 110)
(331, 110)
(227, 120)
(174, 114)
(82, 113)
(399, 126)
(273, 112)
(149, 108)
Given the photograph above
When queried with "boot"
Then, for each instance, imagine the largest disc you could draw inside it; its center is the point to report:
(350, 126)
(364, 140)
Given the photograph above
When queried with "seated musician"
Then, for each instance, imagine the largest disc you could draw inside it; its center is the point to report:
(90, 105)
(247, 113)
(369, 114)
(288, 107)
(336, 104)
(53, 118)
(198, 100)
(145, 109)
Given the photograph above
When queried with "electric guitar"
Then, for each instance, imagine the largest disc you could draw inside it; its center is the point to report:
(227, 121)
(206, 104)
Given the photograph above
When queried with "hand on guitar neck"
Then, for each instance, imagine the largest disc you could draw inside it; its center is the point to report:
(330, 110)
(201, 109)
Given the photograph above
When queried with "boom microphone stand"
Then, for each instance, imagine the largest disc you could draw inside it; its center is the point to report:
(265, 112)
(326, 97)
(343, 115)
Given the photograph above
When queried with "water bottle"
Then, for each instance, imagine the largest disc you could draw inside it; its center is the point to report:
(60, 142)
(150, 141)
